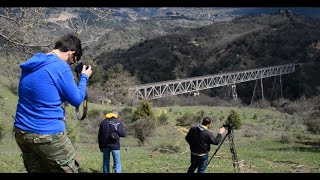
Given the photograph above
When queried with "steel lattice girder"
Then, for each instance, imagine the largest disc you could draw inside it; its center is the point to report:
(194, 84)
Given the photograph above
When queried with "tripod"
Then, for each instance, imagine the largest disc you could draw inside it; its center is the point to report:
(232, 149)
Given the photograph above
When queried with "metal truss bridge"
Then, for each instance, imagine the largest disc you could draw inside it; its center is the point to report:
(195, 84)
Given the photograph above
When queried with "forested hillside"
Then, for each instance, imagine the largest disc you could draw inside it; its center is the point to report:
(243, 43)
(128, 46)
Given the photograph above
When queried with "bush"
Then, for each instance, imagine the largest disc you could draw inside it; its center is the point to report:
(221, 118)
(1, 131)
(14, 85)
(126, 115)
(95, 113)
(143, 129)
(73, 132)
(263, 104)
(249, 133)
(201, 113)
(188, 119)
(249, 130)
(286, 138)
(255, 116)
(312, 121)
(291, 108)
(91, 123)
(234, 119)
(144, 110)
(163, 119)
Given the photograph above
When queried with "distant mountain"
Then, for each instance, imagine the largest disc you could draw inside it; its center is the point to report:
(165, 20)
(118, 31)
(305, 11)
(209, 13)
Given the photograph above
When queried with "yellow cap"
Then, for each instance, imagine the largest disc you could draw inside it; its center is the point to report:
(110, 115)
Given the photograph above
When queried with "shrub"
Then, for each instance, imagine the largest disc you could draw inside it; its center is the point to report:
(144, 110)
(263, 104)
(291, 108)
(312, 121)
(255, 116)
(201, 113)
(143, 129)
(73, 132)
(221, 118)
(234, 119)
(94, 113)
(1, 131)
(249, 133)
(91, 123)
(126, 114)
(188, 119)
(163, 119)
(286, 138)
(14, 85)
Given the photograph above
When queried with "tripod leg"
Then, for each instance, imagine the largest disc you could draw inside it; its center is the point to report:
(233, 152)
(216, 150)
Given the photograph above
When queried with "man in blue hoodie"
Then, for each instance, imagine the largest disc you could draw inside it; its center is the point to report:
(45, 84)
(199, 139)
(110, 131)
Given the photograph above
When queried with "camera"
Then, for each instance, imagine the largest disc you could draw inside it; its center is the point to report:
(79, 67)
(227, 125)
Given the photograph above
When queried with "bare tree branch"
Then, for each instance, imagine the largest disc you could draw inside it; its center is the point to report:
(20, 27)
(8, 18)
(29, 28)
(101, 13)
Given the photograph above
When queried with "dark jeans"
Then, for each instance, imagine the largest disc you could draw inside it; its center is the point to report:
(199, 162)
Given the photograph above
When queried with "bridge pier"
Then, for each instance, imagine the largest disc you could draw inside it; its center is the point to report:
(254, 91)
(262, 95)
(234, 91)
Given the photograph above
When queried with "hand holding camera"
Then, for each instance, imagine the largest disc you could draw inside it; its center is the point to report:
(221, 130)
(82, 68)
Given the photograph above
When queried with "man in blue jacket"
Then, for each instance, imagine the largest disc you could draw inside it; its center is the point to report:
(45, 84)
(110, 131)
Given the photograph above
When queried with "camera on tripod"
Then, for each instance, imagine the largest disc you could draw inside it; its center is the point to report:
(79, 67)
(227, 125)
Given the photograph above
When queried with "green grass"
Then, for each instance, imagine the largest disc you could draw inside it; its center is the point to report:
(10, 159)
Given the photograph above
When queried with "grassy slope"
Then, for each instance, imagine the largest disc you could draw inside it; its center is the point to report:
(258, 151)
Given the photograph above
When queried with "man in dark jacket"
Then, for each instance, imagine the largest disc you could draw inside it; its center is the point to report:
(199, 138)
(110, 131)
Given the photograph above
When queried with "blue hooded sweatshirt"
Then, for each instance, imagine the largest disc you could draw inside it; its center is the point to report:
(45, 83)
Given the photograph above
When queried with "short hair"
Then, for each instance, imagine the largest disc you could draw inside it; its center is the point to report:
(206, 120)
(69, 42)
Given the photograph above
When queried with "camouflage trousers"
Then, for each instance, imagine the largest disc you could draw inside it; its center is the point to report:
(46, 153)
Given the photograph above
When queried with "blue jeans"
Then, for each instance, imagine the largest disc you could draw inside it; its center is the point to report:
(106, 160)
(199, 162)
